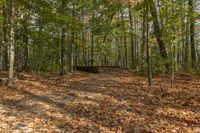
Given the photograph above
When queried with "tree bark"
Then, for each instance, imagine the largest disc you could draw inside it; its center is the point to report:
(192, 33)
(84, 40)
(76, 51)
(25, 49)
(157, 30)
(63, 52)
(144, 38)
(132, 38)
(148, 48)
(72, 51)
(92, 42)
(72, 44)
(125, 40)
(11, 48)
(63, 45)
(5, 59)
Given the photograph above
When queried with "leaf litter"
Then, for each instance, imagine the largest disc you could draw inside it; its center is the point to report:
(116, 102)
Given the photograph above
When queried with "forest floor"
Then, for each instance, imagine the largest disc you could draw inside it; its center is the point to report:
(100, 103)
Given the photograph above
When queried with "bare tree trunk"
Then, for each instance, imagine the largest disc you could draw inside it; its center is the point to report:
(72, 44)
(149, 58)
(136, 46)
(1, 47)
(186, 48)
(126, 51)
(116, 51)
(92, 49)
(120, 51)
(63, 44)
(192, 33)
(18, 50)
(132, 38)
(183, 16)
(84, 40)
(157, 30)
(160, 15)
(72, 51)
(148, 48)
(63, 53)
(4, 39)
(25, 49)
(173, 49)
(119, 46)
(11, 49)
(125, 40)
(92, 42)
(144, 39)
(76, 51)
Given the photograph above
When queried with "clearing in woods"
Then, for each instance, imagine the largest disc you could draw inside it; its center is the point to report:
(92, 103)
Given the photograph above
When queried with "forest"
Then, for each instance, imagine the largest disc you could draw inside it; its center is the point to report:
(99, 66)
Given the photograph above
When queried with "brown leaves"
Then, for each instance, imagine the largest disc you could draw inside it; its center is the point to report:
(118, 102)
(132, 129)
(53, 131)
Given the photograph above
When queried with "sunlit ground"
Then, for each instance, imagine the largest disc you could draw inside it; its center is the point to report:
(92, 103)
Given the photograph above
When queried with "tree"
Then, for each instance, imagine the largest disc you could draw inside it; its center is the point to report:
(157, 30)
(11, 46)
(149, 71)
(132, 38)
(57, 36)
(4, 36)
(192, 33)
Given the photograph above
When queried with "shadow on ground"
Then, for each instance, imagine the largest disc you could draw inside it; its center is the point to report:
(85, 103)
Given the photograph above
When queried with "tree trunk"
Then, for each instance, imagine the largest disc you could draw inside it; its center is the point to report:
(92, 42)
(132, 38)
(72, 51)
(125, 40)
(144, 39)
(148, 48)
(5, 41)
(76, 51)
(84, 40)
(63, 56)
(186, 51)
(25, 49)
(11, 49)
(149, 57)
(63, 53)
(72, 44)
(183, 16)
(157, 30)
(136, 46)
(92, 49)
(173, 48)
(192, 33)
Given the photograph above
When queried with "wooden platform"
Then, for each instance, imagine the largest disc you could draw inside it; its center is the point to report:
(98, 69)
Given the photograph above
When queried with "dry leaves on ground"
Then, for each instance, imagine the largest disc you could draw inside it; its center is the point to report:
(92, 103)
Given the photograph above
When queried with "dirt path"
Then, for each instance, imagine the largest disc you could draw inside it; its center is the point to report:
(92, 103)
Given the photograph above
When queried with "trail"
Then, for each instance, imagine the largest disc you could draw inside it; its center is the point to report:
(92, 103)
